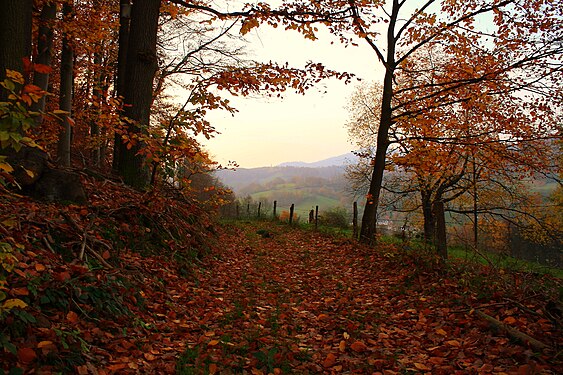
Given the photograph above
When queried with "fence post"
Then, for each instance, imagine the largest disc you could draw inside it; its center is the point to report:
(441, 230)
(316, 217)
(259, 207)
(275, 206)
(355, 220)
(291, 213)
(238, 211)
(248, 210)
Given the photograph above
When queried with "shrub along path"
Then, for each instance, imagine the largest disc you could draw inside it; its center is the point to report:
(281, 300)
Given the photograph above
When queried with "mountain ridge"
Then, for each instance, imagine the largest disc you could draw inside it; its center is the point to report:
(340, 160)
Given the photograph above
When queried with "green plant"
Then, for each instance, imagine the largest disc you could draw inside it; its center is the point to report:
(335, 217)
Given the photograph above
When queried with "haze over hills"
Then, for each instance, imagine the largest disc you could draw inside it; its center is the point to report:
(304, 184)
(340, 160)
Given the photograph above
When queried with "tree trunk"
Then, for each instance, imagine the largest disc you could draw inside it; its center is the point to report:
(65, 94)
(441, 239)
(44, 53)
(97, 98)
(15, 34)
(369, 218)
(141, 67)
(429, 219)
(124, 19)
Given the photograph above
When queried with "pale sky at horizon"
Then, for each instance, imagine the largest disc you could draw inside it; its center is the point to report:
(310, 127)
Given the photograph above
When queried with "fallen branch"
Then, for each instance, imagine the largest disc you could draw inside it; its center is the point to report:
(47, 244)
(99, 257)
(512, 332)
(85, 237)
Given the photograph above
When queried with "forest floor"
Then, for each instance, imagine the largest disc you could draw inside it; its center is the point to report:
(269, 298)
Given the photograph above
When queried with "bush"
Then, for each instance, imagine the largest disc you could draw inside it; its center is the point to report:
(335, 217)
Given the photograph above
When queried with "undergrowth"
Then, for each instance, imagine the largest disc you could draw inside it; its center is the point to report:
(72, 276)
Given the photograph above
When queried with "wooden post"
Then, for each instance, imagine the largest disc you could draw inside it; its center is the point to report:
(441, 243)
(259, 207)
(316, 217)
(248, 210)
(238, 211)
(291, 209)
(275, 206)
(355, 220)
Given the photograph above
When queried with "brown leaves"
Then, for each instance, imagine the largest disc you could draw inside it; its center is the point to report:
(254, 305)
(26, 355)
(358, 347)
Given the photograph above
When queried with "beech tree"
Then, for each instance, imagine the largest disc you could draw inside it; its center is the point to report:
(453, 153)
(524, 49)
(15, 26)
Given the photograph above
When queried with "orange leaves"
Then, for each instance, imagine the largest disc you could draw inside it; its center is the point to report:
(358, 347)
(248, 24)
(72, 317)
(26, 355)
(329, 361)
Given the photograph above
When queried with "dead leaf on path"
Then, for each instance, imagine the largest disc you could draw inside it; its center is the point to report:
(342, 346)
(19, 292)
(26, 355)
(213, 342)
(212, 369)
(72, 317)
(422, 367)
(358, 347)
(329, 361)
(39, 267)
(440, 331)
(453, 343)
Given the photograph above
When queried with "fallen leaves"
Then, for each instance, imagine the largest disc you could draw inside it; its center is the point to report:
(358, 347)
(297, 303)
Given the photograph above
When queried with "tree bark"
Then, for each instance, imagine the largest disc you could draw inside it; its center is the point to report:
(429, 218)
(140, 70)
(44, 53)
(124, 21)
(97, 99)
(369, 218)
(15, 34)
(65, 95)
(441, 239)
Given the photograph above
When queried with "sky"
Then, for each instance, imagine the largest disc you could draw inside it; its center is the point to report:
(310, 127)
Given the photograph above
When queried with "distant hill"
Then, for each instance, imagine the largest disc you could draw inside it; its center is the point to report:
(304, 184)
(340, 160)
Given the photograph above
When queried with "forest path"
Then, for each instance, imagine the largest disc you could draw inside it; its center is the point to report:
(301, 302)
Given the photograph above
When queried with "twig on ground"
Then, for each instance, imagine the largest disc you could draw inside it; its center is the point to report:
(512, 332)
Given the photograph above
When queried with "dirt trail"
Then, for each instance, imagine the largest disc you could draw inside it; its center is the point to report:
(290, 301)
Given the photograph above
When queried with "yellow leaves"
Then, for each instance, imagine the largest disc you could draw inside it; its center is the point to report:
(15, 76)
(12, 303)
(6, 167)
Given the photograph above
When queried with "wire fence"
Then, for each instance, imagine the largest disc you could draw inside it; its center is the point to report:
(504, 239)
